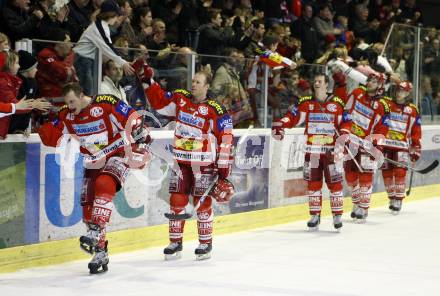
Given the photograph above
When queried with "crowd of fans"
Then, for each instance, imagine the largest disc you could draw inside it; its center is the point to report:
(168, 32)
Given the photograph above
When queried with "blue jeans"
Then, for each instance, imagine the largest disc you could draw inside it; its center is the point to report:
(84, 70)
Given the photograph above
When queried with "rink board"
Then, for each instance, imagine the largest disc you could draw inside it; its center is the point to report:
(45, 215)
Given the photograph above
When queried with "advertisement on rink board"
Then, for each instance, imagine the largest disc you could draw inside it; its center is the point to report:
(143, 200)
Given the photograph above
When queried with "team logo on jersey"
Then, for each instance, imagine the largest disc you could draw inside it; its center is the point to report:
(96, 112)
(332, 107)
(203, 110)
(407, 110)
(182, 103)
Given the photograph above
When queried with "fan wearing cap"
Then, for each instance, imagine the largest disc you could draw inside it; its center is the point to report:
(366, 119)
(97, 36)
(402, 143)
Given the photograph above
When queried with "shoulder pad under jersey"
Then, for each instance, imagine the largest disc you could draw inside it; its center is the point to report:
(109, 99)
(219, 109)
(415, 107)
(338, 100)
(183, 92)
(385, 105)
(304, 99)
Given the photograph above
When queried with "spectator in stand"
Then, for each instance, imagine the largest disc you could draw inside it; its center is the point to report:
(303, 30)
(110, 81)
(126, 30)
(213, 37)
(52, 19)
(178, 68)
(411, 14)
(28, 90)
(97, 35)
(277, 12)
(257, 33)
(55, 67)
(432, 58)
(4, 42)
(142, 24)
(18, 22)
(158, 40)
(362, 28)
(79, 18)
(122, 46)
(228, 89)
(323, 24)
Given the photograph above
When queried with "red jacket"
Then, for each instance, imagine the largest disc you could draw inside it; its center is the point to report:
(54, 72)
(9, 86)
(203, 132)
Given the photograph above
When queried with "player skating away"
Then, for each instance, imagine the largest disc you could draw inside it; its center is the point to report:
(202, 149)
(365, 120)
(322, 114)
(101, 125)
(402, 143)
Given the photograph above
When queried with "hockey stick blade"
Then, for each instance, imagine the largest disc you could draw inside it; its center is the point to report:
(184, 216)
(429, 168)
(410, 183)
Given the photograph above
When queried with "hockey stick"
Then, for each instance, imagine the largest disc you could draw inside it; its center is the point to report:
(410, 183)
(424, 171)
(185, 216)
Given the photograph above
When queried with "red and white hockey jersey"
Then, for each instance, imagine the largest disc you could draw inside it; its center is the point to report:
(321, 120)
(365, 116)
(404, 127)
(203, 132)
(99, 128)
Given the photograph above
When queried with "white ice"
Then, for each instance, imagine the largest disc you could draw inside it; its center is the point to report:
(389, 255)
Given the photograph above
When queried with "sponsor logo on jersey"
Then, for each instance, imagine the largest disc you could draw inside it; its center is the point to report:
(203, 110)
(320, 140)
(188, 144)
(314, 128)
(188, 131)
(418, 120)
(191, 120)
(332, 107)
(321, 117)
(224, 123)
(398, 116)
(393, 135)
(193, 156)
(168, 95)
(346, 116)
(216, 106)
(364, 110)
(358, 131)
(361, 120)
(96, 111)
(89, 128)
(123, 108)
(106, 99)
(294, 110)
(397, 125)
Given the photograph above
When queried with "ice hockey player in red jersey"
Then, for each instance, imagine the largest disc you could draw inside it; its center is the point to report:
(106, 129)
(402, 143)
(321, 114)
(365, 121)
(202, 149)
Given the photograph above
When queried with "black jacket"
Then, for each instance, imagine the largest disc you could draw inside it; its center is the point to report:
(18, 23)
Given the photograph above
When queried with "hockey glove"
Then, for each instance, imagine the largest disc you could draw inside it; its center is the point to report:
(415, 153)
(222, 191)
(278, 130)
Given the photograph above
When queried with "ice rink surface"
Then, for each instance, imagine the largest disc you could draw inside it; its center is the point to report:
(389, 255)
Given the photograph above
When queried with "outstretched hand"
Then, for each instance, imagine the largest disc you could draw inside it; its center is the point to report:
(41, 104)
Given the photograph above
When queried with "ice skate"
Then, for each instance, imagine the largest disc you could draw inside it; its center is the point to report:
(361, 215)
(89, 241)
(353, 211)
(313, 223)
(337, 222)
(203, 251)
(396, 206)
(99, 262)
(173, 251)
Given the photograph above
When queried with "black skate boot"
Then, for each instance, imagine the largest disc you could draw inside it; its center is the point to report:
(396, 206)
(353, 211)
(89, 241)
(173, 251)
(337, 222)
(313, 223)
(99, 262)
(203, 251)
(361, 215)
